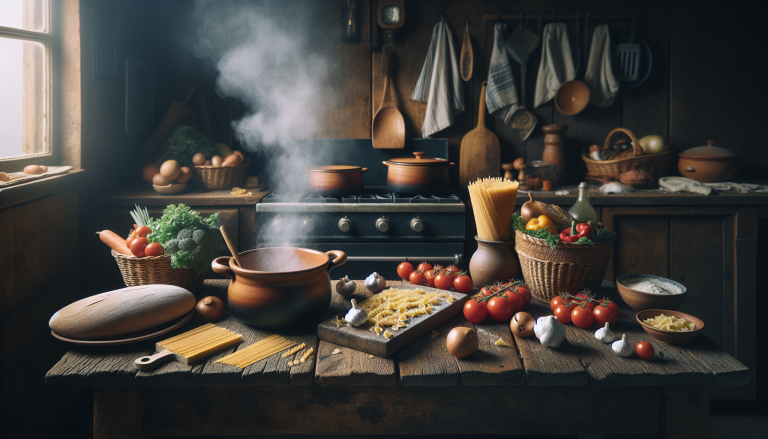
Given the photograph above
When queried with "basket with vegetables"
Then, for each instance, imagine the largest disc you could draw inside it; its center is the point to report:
(556, 254)
(176, 249)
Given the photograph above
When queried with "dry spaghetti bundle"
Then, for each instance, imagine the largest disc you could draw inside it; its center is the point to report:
(493, 202)
(257, 351)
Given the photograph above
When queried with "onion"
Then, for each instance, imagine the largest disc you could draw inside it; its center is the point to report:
(462, 342)
(530, 209)
(345, 287)
(522, 324)
(209, 309)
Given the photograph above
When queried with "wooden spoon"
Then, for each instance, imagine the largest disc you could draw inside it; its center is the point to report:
(231, 246)
(480, 155)
(388, 129)
(467, 57)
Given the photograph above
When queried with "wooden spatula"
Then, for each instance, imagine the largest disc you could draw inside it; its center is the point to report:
(467, 56)
(388, 128)
(480, 153)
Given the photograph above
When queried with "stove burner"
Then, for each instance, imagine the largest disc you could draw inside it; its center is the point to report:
(368, 196)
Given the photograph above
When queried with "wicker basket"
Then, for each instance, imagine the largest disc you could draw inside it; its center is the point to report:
(657, 165)
(220, 177)
(156, 270)
(569, 267)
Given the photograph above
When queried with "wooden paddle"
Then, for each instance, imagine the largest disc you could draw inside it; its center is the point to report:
(480, 153)
(177, 114)
(388, 128)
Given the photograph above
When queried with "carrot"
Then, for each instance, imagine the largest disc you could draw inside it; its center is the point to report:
(114, 241)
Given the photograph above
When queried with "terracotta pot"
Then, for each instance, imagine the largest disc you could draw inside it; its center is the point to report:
(494, 261)
(708, 164)
(280, 287)
(336, 180)
(419, 175)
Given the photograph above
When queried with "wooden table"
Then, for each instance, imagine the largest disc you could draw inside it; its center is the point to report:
(521, 388)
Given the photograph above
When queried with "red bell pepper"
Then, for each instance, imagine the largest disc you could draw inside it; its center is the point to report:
(576, 232)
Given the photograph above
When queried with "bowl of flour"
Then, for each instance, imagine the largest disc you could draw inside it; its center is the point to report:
(646, 291)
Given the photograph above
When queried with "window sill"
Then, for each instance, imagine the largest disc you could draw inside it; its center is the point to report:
(45, 187)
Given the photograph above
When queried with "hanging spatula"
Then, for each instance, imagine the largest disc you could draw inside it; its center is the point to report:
(628, 58)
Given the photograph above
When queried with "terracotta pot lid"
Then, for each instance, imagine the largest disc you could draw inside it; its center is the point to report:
(709, 152)
(335, 168)
(419, 160)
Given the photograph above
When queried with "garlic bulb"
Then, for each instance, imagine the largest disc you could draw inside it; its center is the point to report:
(356, 316)
(345, 287)
(605, 335)
(549, 331)
(375, 283)
(622, 347)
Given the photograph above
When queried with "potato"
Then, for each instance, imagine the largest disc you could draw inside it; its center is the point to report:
(216, 161)
(232, 160)
(198, 159)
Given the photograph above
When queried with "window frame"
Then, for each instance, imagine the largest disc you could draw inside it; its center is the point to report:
(49, 39)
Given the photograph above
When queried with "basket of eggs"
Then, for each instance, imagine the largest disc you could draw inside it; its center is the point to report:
(218, 172)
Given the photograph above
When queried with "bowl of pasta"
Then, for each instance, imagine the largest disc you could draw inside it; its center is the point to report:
(670, 327)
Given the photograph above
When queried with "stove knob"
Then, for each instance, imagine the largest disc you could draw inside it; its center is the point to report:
(345, 224)
(308, 225)
(417, 224)
(382, 224)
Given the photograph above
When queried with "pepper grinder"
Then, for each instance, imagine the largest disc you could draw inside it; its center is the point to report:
(508, 168)
(554, 149)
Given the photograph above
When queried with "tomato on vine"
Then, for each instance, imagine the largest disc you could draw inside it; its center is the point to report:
(444, 281)
(475, 312)
(416, 278)
(582, 317)
(430, 277)
(557, 301)
(463, 284)
(404, 270)
(500, 309)
(516, 302)
(485, 291)
(563, 314)
(524, 293)
(424, 267)
(603, 315)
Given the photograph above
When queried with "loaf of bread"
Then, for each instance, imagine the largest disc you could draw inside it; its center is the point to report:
(121, 312)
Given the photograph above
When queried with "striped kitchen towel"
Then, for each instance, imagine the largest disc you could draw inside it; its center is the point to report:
(439, 84)
(501, 95)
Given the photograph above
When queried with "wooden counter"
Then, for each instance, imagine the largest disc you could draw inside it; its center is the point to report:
(145, 195)
(648, 197)
(421, 389)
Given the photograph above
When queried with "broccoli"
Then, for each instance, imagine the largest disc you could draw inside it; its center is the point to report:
(201, 237)
(196, 248)
(184, 234)
(187, 244)
(171, 246)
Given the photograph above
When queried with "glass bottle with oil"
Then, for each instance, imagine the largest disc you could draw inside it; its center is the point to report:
(582, 211)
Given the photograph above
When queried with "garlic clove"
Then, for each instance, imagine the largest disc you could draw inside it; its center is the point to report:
(605, 334)
(622, 347)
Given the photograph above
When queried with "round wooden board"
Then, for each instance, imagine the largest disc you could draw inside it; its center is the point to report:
(132, 338)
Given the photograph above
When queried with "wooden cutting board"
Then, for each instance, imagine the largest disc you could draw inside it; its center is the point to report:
(362, 339)
(480, 155)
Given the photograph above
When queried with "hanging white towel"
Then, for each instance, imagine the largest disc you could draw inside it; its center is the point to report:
(603, 85)
(501, 93)
(556, 67)
(439, 84)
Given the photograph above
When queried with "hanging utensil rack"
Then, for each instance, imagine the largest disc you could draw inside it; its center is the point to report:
(549, 17)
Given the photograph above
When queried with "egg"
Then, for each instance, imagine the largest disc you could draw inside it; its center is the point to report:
(207, 163)
(198, 159)
(149, 172)
(185, 175)
(170, 170)
(232, 160)
(159, 180)
(44, 168)
(33, 169)
(216, 161)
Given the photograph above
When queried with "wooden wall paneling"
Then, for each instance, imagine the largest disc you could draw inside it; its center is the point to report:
(729, 283)
(696, 261)
(642, 245)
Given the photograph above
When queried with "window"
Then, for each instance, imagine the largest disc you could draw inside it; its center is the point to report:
(25, 79)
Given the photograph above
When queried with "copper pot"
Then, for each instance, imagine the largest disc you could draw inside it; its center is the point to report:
(708, 164)
(336, 180)
(279, 287)
(419, 175)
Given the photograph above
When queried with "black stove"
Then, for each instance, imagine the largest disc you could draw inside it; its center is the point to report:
(367, 196)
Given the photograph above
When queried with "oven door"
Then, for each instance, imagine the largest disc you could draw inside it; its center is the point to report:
(365, 258)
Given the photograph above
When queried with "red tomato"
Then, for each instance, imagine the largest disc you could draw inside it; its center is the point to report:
(589, 305)
(475, 312)
(563, 314)
(416, 278)
(614, 307)
(644, 350)
(129, 240)
(500, 309)
(453, 268)
(430, 276)
(582, 318)
(516, 302)
(603, 315)
(142, 231)
(404, 270)
(581, 295)
(485, 291)
(424, 267)
(557, 301)
(463, 284)
(444, 281)
(138, 245)
(154, 249)
(525, 294)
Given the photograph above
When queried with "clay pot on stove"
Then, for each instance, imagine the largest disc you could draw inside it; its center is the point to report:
(279, 287)
(336, 180)
(494, 261)
(418, 175)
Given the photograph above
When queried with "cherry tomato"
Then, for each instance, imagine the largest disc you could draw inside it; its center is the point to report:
(589, 305)
(485, 291)
(613, 306)
(581, 296)
(500, 309)
(154, 249)
(603, 315)
(463, 284)
(475, 312)
(525, 294)
(142, 231)
(563, 314)
(430, 276)
(453, 268)
(557, 301)
(516, 302)
(644, 350)
(138, 245)
(582, 318)
(129, 240)
(424, 267)
(416, 278)
(404, 270)
(444, 281)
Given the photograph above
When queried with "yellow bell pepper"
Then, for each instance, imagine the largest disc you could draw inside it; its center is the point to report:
(541, 223)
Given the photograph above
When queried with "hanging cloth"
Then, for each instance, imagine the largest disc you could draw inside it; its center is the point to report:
(602, 83)
(439, 84)
(501, 94)
(556, 66)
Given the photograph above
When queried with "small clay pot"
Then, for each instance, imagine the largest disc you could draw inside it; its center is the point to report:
(494, 261)
(419, 175)
(336, 180)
